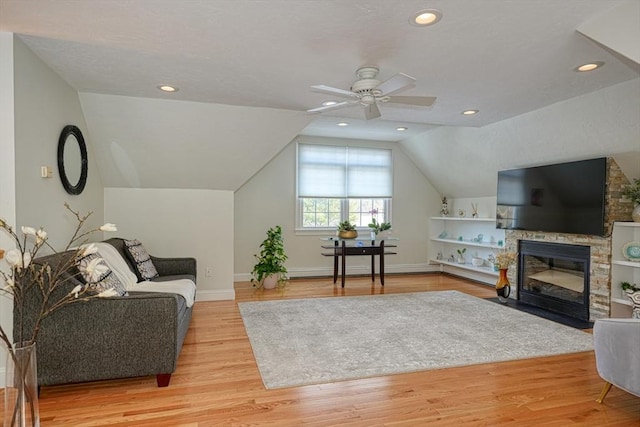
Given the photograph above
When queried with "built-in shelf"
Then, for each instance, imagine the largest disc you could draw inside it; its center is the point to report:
(457, 218)
(623, 270)
(469, 243)
(470, 267)
(478, 236)
(622, 301)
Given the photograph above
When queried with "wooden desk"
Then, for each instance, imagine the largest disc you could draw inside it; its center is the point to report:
(341, 248)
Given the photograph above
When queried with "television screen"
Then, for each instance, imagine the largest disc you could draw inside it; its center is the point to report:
(562, 198)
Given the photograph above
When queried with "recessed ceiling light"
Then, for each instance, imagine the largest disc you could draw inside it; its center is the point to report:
(425, 17)
(167, 88)
(329, 103)
(343, 124)
(401, 128)
(589, 67)
(470, 112)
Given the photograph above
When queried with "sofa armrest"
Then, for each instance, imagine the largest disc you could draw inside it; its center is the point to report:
(110, 338)
(175, 266)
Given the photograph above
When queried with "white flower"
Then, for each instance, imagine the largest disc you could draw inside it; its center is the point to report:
(26, 259)
(95, 269)
(88, 250)
(9, 284)
(41, 235)
(75, 291)
(29, 231)
(14, 258)
(108, 227)
(108, 293)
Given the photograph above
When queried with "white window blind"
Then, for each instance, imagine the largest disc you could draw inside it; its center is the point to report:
(327, 171)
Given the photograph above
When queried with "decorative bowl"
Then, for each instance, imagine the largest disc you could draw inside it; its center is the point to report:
(351, 234)
(477, 261)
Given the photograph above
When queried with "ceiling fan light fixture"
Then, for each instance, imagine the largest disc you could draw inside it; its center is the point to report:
(329, 103)
(589, 66)
(401, 128)
(470, 112)
(168, 88)
(425, 17)
(342, 124)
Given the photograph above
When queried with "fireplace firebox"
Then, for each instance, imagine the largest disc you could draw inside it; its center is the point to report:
(555, 277)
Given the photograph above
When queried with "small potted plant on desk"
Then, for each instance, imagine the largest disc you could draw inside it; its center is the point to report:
(270, 269)
(346, 230)
(377, 227)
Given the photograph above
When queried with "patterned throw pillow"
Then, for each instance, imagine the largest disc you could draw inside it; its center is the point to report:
(145, 270)
(103, 281)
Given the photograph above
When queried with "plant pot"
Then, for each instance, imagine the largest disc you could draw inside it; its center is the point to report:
(350, 234)
(461, 260)
(271, 281)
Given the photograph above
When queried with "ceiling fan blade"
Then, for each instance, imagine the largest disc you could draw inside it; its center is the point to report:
(371, 111)
(422, 101)
(330, 107)
(396, 83)
(334, 91)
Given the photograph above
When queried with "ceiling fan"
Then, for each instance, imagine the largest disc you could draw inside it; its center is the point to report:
(368, 92)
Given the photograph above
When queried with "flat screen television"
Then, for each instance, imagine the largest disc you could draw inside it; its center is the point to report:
(562, 198)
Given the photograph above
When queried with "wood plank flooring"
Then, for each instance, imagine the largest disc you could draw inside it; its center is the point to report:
(217, 382)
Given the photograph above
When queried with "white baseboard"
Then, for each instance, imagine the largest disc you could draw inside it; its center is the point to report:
(221, 295)
(351, 270)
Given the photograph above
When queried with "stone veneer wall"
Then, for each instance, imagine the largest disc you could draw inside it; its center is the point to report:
(617, 208)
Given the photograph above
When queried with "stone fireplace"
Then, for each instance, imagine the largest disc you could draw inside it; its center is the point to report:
(597, 274)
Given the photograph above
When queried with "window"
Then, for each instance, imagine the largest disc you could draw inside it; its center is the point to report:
(337, 183)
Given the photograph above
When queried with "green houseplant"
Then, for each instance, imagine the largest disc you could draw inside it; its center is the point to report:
(346, 230)
(377, 227)
(270, 269)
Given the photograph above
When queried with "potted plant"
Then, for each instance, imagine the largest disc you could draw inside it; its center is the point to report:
(346, 230)
(377, 227)
(632, 192)
(461, 252)
(269, 270)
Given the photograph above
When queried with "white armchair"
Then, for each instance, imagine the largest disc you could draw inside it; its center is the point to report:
(617, 348)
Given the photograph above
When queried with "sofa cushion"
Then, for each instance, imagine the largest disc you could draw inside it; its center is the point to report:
(105, 280)
(183, 287)
(116, 262)
(145, 270)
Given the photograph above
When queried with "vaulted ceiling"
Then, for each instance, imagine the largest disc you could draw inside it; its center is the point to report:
(253, 62)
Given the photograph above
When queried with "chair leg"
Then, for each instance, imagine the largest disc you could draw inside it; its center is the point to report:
(603, 393)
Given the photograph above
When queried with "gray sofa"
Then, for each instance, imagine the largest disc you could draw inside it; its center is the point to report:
(116, 337)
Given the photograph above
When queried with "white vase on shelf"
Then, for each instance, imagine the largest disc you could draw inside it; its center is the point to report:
(635, 214)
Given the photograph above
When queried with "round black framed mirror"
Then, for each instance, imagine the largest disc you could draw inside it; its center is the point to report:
(72, 159)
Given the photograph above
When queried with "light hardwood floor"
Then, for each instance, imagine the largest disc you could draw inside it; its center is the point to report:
(217, 382)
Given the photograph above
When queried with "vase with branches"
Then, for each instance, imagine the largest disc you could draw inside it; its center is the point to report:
(23, 274)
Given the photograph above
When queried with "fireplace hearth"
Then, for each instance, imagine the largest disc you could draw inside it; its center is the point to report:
(555, 277)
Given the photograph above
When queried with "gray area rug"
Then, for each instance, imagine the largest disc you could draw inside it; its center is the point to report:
(322, 340)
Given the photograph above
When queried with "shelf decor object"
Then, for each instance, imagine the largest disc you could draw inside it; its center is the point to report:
(631, 251)
(634, 296)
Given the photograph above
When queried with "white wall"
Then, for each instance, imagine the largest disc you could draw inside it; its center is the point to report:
(44, 105)
(7, 174)
(180, 223)
(268, 199)
(463, 162)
